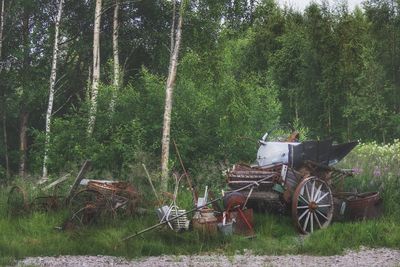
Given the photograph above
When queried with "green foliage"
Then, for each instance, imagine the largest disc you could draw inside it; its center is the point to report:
(377, 170)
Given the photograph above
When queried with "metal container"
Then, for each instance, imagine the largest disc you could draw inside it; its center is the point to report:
(226, 229)
(205, 222)
(364, 206)
(243, 224)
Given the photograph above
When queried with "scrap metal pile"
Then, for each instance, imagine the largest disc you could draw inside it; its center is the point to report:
(298, 178)
(87, 200)
(289, 177)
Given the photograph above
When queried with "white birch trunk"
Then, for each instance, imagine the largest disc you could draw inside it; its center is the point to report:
(168, 102)
(116, 81)
(96, 68)
(53, 75)
(172, 38)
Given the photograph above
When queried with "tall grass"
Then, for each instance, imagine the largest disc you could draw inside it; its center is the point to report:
(35, 234)
(377, 168)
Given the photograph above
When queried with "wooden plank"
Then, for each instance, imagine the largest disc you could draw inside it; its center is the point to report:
(58, 181)
(85, 167)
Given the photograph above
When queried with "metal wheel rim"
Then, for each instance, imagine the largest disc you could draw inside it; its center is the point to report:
(85, 206)
(17, 201)
(312, 205)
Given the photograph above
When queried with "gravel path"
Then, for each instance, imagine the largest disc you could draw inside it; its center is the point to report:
(363, 257)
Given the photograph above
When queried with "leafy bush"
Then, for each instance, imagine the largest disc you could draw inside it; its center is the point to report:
(377, 169)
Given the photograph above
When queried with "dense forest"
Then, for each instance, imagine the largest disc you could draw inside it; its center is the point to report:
(243, 68)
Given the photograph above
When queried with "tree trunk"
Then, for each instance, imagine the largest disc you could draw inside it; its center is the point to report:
(53, 75)
(23, 146)
(4, 97)
(24, 114)
(173, 64)
(6, 143)
(88, 84)
(1, 26)
(96, 68)
(116, 81)
(172, 37)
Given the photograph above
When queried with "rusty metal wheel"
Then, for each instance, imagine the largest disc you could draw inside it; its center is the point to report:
(47, 203)
(86, 206)
(312, 205)
(17, 201)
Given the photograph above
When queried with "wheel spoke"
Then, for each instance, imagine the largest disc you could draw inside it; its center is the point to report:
(312, 191)
(323, 196)
(306, 222)
(300, 196)
(323, 206)
(312, 221)
(316, 218)
(302, 215)
(318, 192)
(302, 207)
(308, 192)
(320, 213)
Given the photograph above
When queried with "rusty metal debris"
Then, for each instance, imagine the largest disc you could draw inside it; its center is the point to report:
(362, 206)
(21, 201)
(300, 177)
(102, 198)
(210, 202)
(17, 201)
(165, 213)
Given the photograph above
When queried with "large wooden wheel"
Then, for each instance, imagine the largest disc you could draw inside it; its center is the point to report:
(312, 205)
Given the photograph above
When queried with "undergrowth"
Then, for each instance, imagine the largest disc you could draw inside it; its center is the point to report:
(35, 234)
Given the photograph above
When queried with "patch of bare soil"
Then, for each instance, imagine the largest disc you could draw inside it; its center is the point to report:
(363, 257)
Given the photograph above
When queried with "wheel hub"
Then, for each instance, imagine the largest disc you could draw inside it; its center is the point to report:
(312, 206)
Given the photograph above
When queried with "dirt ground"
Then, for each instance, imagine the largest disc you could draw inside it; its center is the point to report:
(363, 257)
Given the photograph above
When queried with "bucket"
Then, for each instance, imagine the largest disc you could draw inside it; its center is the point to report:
(364, 206)
(226, 229)
(206, 223)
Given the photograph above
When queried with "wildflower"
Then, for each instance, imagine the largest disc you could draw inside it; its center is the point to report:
(377, 171)
(357, 170)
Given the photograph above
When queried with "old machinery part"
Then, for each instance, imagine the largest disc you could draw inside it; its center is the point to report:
(312, 205)
(17, 201)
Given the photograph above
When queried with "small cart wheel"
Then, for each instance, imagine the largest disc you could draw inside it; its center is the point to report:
(86, 206)
(17, 201)
(312, 205)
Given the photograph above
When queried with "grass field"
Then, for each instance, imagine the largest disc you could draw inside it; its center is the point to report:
(35, 234)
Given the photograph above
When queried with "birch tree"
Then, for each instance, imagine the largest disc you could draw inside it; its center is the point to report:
(173, 64)
(96, 68)
(53, 75)
(116, 58)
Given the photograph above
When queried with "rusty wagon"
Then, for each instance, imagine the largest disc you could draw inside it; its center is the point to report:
(297, 177)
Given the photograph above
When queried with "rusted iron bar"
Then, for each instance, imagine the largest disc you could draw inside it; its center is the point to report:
(151, 183)
(253, 184)
(194, 193)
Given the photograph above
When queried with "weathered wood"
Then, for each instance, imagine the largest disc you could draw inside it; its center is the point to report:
(85, 167)
(58, 181)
